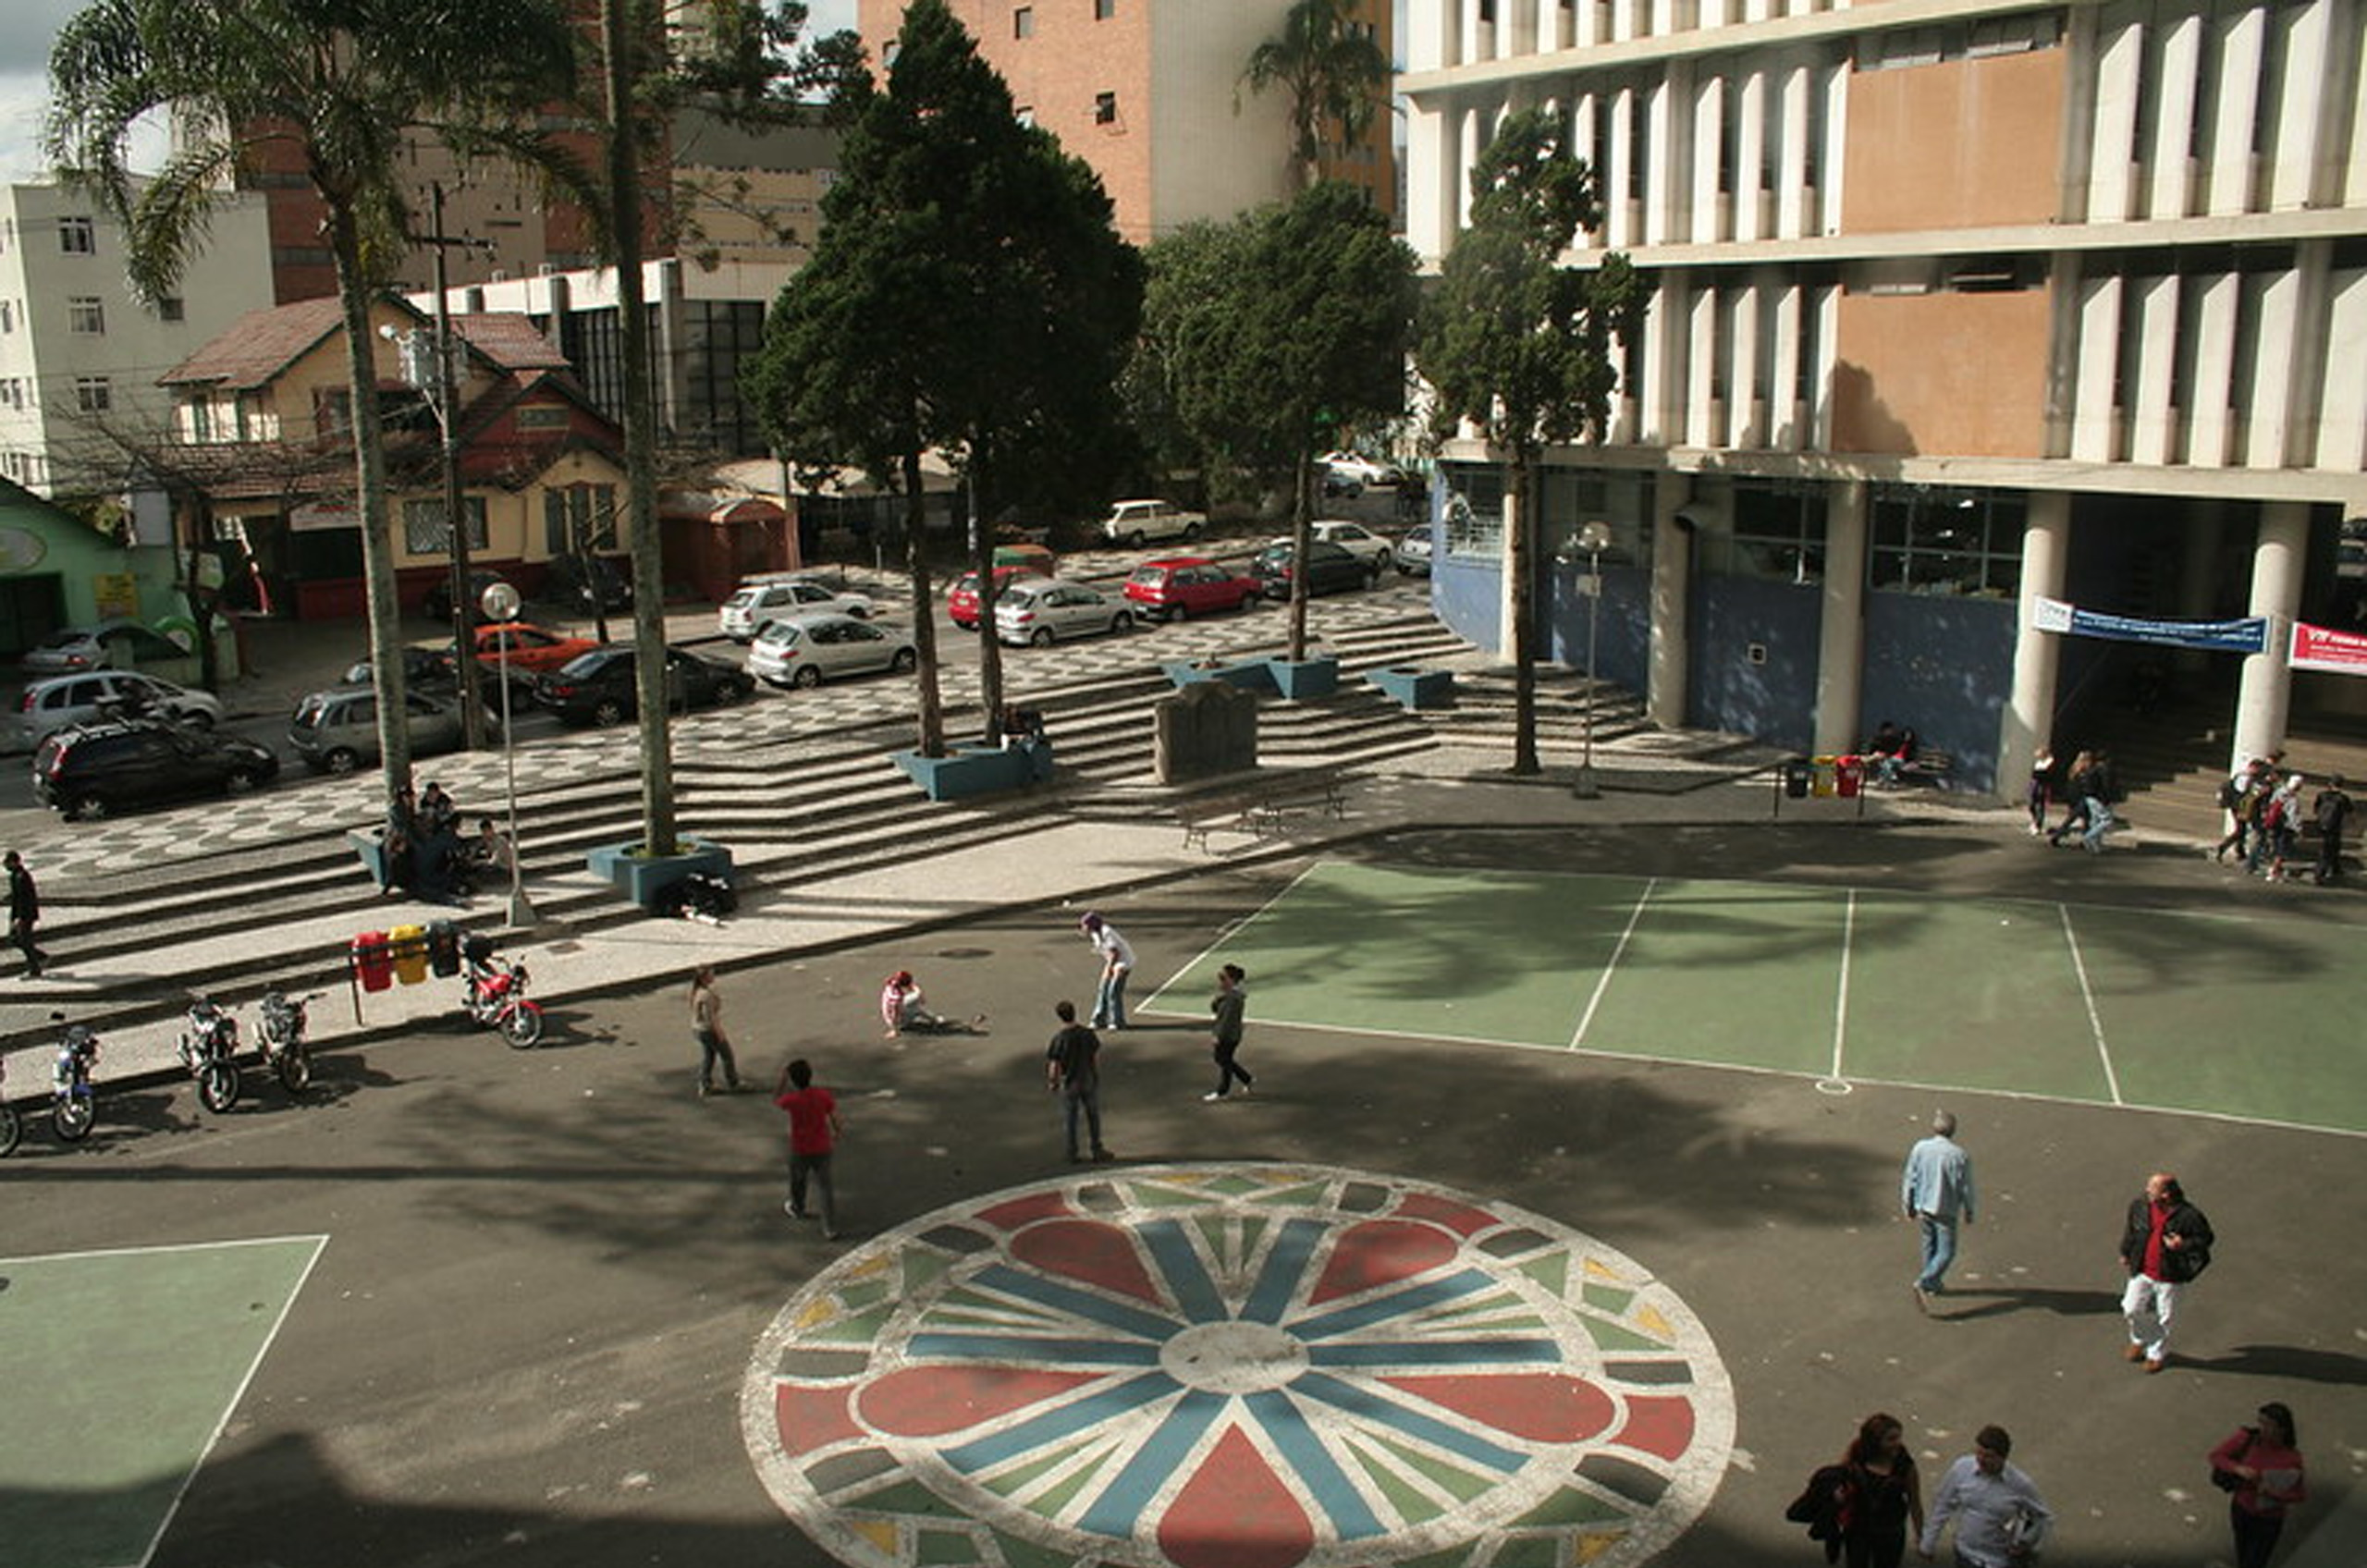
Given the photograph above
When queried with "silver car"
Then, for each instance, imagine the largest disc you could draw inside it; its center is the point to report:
(804, 649)
(1047, 612)
(762, 600)
(50, 706)
(337, 730)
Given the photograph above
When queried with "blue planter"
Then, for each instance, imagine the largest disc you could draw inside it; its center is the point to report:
(1300, 680)
(1416, 688)
(642, 878)
(975, 770)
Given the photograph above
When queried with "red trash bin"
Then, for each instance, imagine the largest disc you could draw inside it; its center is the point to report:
(372, 960)
(1849, 773)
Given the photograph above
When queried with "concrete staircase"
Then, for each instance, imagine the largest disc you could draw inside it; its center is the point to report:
(2172, 761)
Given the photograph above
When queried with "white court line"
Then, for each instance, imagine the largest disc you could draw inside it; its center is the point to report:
(2088, 995)
(1841, 994)
(1602, 981)
(1151, 1003)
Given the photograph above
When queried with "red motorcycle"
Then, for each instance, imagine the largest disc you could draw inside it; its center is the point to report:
(496, 998)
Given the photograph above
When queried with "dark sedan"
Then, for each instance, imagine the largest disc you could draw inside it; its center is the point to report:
(93, 770)
(1330, 568)
(600, 687)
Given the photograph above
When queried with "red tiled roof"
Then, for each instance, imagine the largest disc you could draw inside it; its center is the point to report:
(509, 340)
(261, 344)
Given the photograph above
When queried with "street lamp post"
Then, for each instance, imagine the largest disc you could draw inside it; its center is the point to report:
(501, 604)
(1594, 538)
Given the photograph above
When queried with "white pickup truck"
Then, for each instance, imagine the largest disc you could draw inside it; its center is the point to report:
(1141, 522)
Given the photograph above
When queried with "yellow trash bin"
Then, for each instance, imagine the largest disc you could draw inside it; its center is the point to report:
(409, 945)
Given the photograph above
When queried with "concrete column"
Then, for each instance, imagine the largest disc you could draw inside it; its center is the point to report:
(2266, 693)
(1709, 141)
(1619, 220)
(1670, 650)
(2154, 308)
(1827, 217)
(1841, 634)
(1655, 412)
(1702, 416)
(1792, 217)
(1667, 134)
(1746, 411)
(2119, 55)
(2303, 97)
(2342, 406)
(2352, 184)
(2093, 418)
(2209, 429)
(2179, 67)
(2028, 722)
(1750, 153)
(1822, 306)
(1786, 418)
(2277, 331)
(1582, 134)
(2236, 37)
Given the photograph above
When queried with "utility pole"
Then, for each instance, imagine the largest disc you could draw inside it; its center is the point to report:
(443, 395)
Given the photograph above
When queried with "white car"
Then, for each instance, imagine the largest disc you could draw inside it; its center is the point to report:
(1137, 523)
(1047, 612)
(805, 650)
(1375, 550)
(1413, 555)
(763, 599)
(1348, 473)
(50, 706)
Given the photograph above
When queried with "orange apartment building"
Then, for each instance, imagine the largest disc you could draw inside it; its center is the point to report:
(1964, 317)
(1145, 91)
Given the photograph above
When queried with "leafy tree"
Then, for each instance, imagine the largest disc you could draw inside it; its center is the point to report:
(352, 82)
(1520, 347)
(1270, 333)
(1332, 68)
(967, 293)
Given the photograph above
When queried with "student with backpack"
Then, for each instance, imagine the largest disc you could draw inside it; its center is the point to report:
(2331, 813)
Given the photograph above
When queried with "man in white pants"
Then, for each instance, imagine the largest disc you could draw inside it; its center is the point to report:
(2166, 1243)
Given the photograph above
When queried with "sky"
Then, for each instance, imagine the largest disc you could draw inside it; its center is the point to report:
(32, 26)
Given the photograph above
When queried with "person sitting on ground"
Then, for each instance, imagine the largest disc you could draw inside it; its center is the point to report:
(1021, 725)
(1889, 750)
(437, 811)
(905, 1010)
(490, 849)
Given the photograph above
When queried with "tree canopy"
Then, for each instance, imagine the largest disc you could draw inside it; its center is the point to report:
(1333, 70)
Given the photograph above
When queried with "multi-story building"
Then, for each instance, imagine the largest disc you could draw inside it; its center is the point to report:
(1150, 93)
(80, 352)
(1971, 325)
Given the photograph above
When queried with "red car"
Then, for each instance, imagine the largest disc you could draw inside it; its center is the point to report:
(962, 599)
(1188, 585)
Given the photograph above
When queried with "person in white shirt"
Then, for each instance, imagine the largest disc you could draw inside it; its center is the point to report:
(1999, 1516)
(1116, 962)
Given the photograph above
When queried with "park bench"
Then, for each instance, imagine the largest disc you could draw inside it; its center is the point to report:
(1263, 812)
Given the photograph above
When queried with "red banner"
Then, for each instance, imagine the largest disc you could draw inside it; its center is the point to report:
(2322, 647)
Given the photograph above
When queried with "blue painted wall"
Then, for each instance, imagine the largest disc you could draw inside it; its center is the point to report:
(1944, 668)
(1775, 701)
(1467, 595)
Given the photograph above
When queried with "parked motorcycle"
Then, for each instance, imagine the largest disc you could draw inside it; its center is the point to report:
(280, 1031)
(209, 1048)
(72, 1106)
(496, 998)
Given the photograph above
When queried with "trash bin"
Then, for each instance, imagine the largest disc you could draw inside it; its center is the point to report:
(443, 949)
(1848, 773)
(1822, 785)
(371, 961)
(409, 945)
(1795, 778)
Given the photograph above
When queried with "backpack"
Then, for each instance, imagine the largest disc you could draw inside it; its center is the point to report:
(1823, 1505)
(2228, 794)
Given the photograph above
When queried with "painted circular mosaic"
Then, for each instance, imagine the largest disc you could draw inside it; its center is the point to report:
(1237, 1367)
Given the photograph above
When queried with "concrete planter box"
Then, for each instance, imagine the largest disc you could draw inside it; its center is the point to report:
(642, 878)
(1300, 680)
(1416, 688)
(970, 770)
(1252, 677)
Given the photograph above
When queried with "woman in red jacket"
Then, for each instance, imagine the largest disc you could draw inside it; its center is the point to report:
(2264, 1462)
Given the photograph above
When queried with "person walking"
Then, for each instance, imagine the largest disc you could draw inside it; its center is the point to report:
(24, 914)
(707, 1024)
(1073, 1070)
(1885, 1495)
(2103, 790)
(814, 1132)
(2164, 1243)
(2241, 796)
(2279, 826)
(2077, 785)
(1999, 1516)
(1232, 998)
(2259, 1467)
(1935, 1189)
(2041, 794)
(2331, 812)
(1116, 957)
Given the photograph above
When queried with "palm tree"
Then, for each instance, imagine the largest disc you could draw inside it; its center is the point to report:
(1333, 70)
(351, 83)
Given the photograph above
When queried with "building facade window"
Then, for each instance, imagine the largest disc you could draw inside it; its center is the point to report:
(423, 530)
(1022, 22)
(1776, 535)
(171, 308)
(86, 315)
(578, 518)
(7, 315)
(1105, 109)
(723, 335)
(1962, 543)
(92, 393)
(77, 236)
(1104, 9)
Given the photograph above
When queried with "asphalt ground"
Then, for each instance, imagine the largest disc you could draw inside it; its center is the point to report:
(528, 1333)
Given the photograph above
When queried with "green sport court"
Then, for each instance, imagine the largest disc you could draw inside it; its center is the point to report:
(2074, 1002)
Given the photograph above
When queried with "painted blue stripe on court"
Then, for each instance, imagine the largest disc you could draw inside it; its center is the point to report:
(1157, 1459)
(1187, 1277)
(1285, 1266)
(1306, 1453)
(1063, 1421)
(1032, 1348)
(1347, 1320)
(1083, 1304)
(1461, 1352)
(1413, 1422)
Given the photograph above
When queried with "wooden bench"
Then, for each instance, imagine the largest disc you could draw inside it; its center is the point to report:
(1262, 813)
(1928, 765)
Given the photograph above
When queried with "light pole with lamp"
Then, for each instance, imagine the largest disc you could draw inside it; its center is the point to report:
(500, 605)
(1594, 538)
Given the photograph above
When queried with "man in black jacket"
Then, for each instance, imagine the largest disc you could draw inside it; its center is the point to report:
(24, 914)
(2166, 1243)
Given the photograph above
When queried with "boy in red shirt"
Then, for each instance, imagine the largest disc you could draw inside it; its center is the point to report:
(813, 1131)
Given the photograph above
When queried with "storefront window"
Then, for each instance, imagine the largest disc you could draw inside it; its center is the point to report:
(1777, 535)
(1965, 543)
